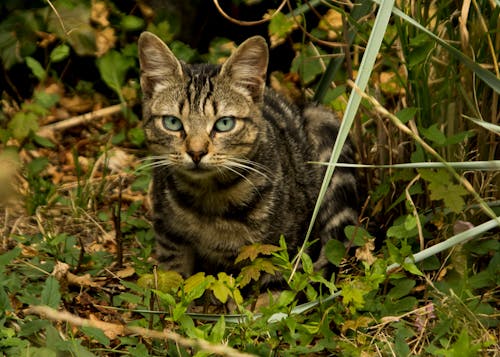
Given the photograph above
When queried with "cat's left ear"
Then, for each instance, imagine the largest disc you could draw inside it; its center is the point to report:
(247, 66)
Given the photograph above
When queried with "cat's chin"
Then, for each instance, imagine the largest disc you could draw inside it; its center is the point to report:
(198, 172)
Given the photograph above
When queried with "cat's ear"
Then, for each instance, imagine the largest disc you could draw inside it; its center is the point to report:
(159, 66)
(247, 66)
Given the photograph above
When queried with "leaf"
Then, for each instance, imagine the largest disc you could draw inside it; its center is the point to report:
(51, 296)
(434, 134)
(335, 251)
(132, 23)
(357, 236)
(442, 188)
(406, 114)
(59, 53)
(402, 287)
(247, 274)
(113, 67)
(218, 331)
(307, 263)
(252, 251)
(96, 333)
(280, 27)
(10, 255)
(307, 64)
(22, 124)
(36, 68)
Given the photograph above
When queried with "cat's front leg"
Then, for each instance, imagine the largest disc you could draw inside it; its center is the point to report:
(174, 256)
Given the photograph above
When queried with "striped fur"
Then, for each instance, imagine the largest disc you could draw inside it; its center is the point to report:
(215, 192)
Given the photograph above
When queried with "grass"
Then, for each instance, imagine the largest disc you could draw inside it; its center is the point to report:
(76, 277)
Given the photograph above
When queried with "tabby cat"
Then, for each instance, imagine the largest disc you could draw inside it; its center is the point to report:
(231, 160)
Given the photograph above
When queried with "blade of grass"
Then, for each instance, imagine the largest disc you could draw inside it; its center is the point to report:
(365, 69)
(463, 165)
(401, 126)
(488, 77)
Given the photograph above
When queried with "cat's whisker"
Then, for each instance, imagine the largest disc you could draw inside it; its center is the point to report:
(253, 164)
(246, 168)
(241, 175)
(161, 162)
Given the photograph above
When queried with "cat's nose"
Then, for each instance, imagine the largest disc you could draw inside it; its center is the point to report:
(196, 156)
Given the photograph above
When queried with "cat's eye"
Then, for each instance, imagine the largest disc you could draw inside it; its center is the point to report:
(224, 124)
(172, 123)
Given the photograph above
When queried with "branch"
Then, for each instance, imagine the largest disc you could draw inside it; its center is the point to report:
(46, 312)
(49, 129)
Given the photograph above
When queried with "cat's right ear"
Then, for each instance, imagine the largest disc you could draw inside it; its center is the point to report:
(159, 66)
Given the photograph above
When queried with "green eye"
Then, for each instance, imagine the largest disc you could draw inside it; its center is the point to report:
(224, 124)
(172, 123)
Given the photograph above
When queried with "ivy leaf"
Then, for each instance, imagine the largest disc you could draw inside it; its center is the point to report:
(51, 296)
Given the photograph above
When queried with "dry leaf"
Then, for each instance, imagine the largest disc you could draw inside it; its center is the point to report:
(332, 23)
(364, 253)
(125, 273)
(104, 40)
(99, 13)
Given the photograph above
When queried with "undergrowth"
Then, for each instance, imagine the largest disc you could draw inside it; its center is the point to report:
(76, 273)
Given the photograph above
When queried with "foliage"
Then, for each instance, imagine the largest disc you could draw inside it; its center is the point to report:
(76, 234)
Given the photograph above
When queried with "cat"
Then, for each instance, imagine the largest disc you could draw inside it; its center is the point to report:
(231, 160)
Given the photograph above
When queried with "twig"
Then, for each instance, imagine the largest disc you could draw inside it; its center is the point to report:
(54, 315)
(248, 23)
(47, 130)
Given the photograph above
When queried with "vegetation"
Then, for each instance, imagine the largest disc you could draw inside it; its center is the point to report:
(76, 277)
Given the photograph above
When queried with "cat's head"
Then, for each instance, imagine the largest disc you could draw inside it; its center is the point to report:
(202, 119)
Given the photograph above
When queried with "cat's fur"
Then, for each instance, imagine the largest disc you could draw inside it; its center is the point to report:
(215, 192)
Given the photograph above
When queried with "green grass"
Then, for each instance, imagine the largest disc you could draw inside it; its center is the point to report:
(76, 277)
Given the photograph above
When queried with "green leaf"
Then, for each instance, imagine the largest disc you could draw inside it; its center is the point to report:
(218, 331)
(36, 68)
(132, 23)
(402, 287)
(358, 236)
(443, 188)
(406, 114)
(22, 124)
(59, 53)
(335, 251)
(307, 64)
(42, 141)
(434, 134)
(136, 136)
(96, 333)
(113, 67)
(280, 27)
(10, 255)
(307, 263)
(51, 296)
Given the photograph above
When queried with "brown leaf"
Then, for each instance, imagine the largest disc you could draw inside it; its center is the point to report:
(99, 13)
(104, 40)
(252, 251)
